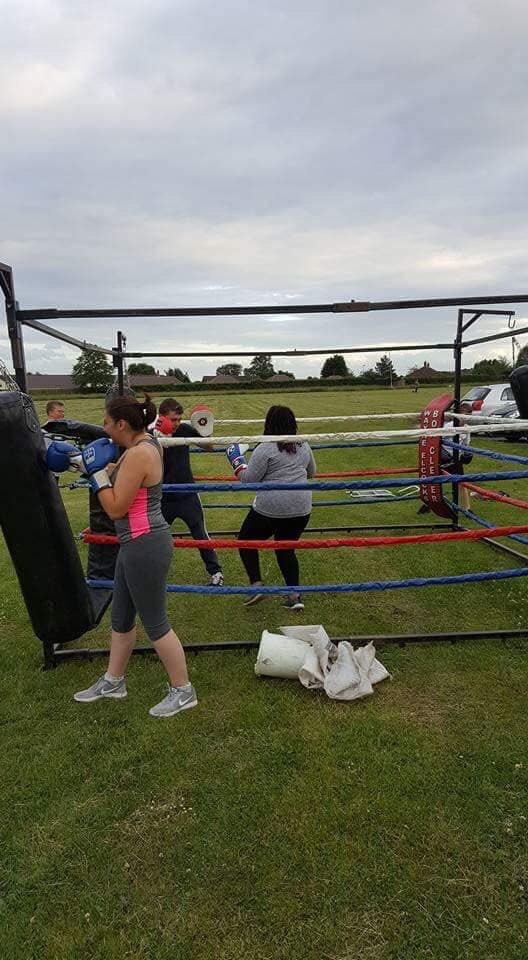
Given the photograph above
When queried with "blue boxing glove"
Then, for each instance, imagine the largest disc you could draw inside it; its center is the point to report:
(61, 456)
(235, 455)
(95, 457)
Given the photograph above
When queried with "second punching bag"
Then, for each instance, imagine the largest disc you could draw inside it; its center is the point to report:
(519, 385)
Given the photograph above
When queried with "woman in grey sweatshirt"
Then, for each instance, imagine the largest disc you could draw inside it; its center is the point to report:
(282, 514)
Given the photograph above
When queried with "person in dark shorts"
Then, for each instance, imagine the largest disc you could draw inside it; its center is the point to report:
(185, 506)
(130, 493)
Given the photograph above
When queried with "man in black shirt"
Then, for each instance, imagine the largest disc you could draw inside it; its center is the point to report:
(185, 506)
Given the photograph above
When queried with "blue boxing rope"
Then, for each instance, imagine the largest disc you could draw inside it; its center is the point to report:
(509, 457)
(484, 523)
(317, 503)
(367, 587)
(237, 487)
(329, 446)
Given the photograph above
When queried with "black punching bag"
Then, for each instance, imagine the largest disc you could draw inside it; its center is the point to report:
(36, 529)
(74, 430)
(101, 557)
(519, 385)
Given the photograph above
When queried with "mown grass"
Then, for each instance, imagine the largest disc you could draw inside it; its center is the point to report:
(270, 822)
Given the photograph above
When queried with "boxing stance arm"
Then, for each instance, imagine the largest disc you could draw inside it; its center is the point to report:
(257, 466)
(208, 447)
(117, 500)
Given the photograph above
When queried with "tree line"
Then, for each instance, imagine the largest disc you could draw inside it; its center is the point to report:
(92, 372)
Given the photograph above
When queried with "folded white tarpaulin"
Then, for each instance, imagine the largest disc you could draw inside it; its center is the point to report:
(308, 653)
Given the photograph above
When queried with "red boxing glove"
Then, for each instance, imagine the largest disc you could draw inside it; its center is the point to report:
(163, 425)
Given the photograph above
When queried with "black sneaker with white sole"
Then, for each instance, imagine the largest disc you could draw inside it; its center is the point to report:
(293, 603)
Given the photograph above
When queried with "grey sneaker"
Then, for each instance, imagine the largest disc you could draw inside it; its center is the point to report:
(293, 603)
(102, 689)
(177, 699)
(217, 579)
(254, 598)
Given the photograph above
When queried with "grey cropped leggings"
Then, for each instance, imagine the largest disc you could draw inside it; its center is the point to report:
(139, 584)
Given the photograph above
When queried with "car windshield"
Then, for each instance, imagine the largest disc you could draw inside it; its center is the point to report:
(477, 393)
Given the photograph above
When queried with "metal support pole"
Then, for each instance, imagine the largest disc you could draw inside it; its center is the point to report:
(119, 363)
(14, 326)
(401, 639)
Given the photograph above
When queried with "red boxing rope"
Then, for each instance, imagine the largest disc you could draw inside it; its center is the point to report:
(382, 472)
(184, 542)
(501, 497)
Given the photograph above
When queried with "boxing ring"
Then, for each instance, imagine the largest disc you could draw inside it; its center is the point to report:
(448, 522)
(489, 533)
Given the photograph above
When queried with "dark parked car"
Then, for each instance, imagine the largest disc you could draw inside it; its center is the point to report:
(508, 413)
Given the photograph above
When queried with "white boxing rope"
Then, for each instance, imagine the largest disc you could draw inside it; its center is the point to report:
(478, 418)
(370, 435)
(351, 416)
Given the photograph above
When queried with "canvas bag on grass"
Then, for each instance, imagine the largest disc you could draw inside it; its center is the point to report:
(342, 672)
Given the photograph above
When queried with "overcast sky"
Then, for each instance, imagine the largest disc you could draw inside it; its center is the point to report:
(170, 153)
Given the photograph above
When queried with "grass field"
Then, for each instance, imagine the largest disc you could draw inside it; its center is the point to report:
(271, 823)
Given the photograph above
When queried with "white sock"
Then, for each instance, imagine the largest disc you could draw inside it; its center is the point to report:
(183, 686)
(112, 679)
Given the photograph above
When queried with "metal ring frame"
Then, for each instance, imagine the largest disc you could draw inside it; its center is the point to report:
(469, 311)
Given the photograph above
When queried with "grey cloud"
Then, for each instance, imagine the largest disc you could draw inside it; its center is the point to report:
(191, 153)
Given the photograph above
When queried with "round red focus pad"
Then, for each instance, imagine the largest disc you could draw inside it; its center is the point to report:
(164, 425)
(202, 419)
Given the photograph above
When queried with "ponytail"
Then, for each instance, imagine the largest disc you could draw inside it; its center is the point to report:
(137, 414)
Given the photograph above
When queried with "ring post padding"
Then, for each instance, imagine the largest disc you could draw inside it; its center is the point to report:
(429, 459)
(37, 531)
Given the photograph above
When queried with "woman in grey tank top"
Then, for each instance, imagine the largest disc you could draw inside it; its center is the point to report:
(132, 498)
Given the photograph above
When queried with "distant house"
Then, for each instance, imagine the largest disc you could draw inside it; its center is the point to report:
(63, 381)
(334, 376)
(281, 378)
(152, 379)
(222, 378)
(50, 381)
(427, 374)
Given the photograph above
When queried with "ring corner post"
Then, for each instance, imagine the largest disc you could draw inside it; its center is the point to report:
(14, 326)
(457, 350)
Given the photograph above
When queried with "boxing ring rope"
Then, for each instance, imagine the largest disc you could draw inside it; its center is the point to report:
(367, 587)
(406, 415)
(491, 454)
(330, 446)
(415, 434)
(489, 533)
(327, 482)
(381, 472)
(493, 495)
(239, 487)
(327, 544)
